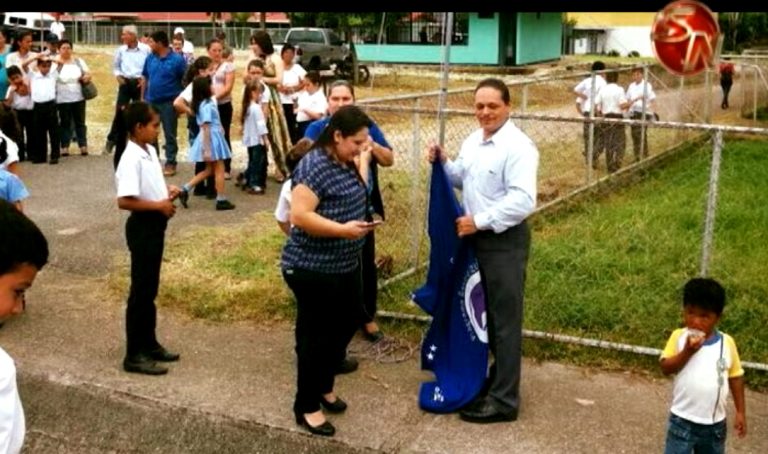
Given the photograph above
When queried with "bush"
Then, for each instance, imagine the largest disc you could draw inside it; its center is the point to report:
(613, 53)
(633, 54)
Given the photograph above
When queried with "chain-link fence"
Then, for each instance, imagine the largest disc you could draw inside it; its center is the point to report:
(546, 110)
(109, 34)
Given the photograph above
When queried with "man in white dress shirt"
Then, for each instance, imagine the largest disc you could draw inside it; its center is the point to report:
(496, 170)
(611, 103)
(57, 27)
(127, 66)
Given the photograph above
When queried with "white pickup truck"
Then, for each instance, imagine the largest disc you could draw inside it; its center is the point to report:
(316, 48)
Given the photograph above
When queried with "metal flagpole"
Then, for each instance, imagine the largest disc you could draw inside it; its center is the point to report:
(447, 38)
(42, 31)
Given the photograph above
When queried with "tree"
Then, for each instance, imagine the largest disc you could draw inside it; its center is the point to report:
(241, 19)
(214, 17)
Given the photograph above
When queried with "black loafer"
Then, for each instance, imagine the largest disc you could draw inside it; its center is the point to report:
(485, 413)
(337, 406)
(325, 429)
(348, 365)
(161, 354)
(142, 364)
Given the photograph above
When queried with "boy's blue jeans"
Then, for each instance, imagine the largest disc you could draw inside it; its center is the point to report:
(256, 172)
(686, 437)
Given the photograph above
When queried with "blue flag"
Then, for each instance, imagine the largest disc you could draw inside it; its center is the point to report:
(455, 348)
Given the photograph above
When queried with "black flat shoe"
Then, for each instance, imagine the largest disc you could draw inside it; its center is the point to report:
(161, 354)
(337, 406)
(348, 365)
(325, 429)
(143, 364)
(485, 413)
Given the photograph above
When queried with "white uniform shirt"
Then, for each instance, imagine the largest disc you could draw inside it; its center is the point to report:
(188, 47)
(19, 102)
(283, 209)
(12, 425)
(43, 87)
(635, 90)
(610, 98)
(186, 94)
(15, 59)
(68, 88)
(12, 149)
(139, 174)
(316, 102)
(497, 177)
(585, 88)
(292, 78)
(701, 387)
(255, 127)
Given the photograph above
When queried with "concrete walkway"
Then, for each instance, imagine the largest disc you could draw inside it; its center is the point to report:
(233, 389)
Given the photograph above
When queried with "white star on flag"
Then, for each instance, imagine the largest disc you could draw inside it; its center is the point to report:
(433, 347)
(430, 356)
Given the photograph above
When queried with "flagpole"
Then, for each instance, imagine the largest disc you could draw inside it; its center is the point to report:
(447, 38)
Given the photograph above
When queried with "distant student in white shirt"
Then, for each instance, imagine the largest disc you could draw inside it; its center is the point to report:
(311, 104)
(283, 208)
(584, 100)
(141, 189)
(57, 27)
(610, 102)
(255, 139)
(45, 120)
(19, 99)
(640, 95)
(24, 253)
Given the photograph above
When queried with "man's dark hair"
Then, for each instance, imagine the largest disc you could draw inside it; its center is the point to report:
(286, 48)
(313, 76)
(598, 66)
(704, 293)
(21, 241)
(14, 71)
(160, 37)
(496, 84)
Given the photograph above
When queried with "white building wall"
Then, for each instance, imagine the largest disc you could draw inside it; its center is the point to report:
(627, 39)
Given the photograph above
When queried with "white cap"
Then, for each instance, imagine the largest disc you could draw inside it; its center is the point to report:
(178, 30)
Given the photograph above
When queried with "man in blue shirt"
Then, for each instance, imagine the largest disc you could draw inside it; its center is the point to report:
(160, 85)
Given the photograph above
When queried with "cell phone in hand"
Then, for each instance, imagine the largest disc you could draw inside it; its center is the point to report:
(375, 222)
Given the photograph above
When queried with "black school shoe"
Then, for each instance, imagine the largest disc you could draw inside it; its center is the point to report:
(163, 355)
(143, 364)
(224, 205)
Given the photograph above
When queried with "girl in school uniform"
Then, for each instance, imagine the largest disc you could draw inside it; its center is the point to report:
(210, 146)
(141, 189)
(254, 138)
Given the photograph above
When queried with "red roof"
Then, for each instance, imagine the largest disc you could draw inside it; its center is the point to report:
(174, 17)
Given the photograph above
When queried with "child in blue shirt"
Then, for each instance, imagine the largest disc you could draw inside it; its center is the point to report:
(12, 189)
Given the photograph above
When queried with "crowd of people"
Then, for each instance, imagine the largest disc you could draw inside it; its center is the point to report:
(328, 152)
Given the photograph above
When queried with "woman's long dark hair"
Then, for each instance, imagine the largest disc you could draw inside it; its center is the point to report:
(201, 90)
(200, 63)
(250, 86)
(132, 115)
(348, 120)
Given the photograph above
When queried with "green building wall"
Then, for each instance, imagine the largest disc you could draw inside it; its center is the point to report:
(539, 37)
(482, 49)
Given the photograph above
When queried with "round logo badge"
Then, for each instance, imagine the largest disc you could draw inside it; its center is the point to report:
(474, 304)
(685, 37)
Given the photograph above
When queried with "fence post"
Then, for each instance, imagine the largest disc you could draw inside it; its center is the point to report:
(591, 135)
(709, 222)
(754, 94)
(680, 108)
(644, 110)
(416, 187)
(708, 97)
(524, 105)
